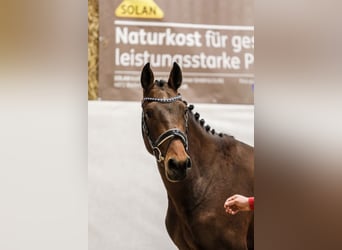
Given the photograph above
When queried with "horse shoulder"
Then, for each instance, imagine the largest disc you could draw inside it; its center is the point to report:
(214, 230)
(240, 158)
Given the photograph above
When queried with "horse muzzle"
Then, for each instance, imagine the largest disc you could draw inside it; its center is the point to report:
(175, 170)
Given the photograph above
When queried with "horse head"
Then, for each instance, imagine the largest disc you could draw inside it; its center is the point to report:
(164, 122)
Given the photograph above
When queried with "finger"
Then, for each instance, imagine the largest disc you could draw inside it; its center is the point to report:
(232, 198)
(229, 211)
(234, 212)
(230, 203)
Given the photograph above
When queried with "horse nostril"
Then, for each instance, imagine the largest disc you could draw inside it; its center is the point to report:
(188, 163)
(172, 163)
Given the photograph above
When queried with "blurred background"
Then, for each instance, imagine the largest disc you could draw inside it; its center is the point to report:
(44, 186)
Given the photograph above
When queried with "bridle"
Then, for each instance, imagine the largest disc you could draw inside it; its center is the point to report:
(168, 135)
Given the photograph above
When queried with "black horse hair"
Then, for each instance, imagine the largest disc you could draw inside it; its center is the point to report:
(202, 121)
(160, 83)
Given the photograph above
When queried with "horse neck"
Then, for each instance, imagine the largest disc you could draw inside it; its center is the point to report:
(204, 146)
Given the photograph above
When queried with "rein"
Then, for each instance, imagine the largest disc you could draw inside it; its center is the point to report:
(168, 135)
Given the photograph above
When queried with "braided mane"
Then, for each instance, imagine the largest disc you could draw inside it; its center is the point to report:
(202, 122)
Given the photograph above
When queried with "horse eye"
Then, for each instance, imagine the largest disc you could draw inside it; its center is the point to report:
(148, 114)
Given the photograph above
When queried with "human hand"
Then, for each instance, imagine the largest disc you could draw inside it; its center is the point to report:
(236, 203)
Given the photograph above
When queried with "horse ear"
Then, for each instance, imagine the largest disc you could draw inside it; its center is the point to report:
(147, 77)
(175, 78)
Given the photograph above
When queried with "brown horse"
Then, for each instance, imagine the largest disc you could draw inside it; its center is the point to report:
(199, 169)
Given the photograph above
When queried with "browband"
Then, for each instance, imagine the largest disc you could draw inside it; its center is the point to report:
(162, 100)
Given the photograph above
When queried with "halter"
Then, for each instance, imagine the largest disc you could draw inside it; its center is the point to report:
(170, 134)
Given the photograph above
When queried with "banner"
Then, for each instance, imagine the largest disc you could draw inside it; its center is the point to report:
(213, 42)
